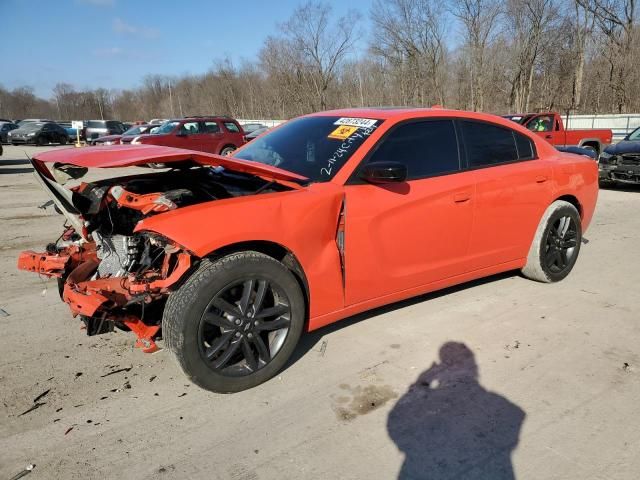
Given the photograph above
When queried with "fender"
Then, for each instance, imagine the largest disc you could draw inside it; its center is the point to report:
(306, 227)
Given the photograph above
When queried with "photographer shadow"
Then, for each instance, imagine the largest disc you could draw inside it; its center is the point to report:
(449, 427)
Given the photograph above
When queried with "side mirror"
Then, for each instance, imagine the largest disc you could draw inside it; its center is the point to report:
(384, 172)
(181, 134)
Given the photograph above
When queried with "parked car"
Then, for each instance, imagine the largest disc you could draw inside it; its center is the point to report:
(5, 128)
(326, 216)
(252, 127)
(38, 133)
(32, 120)
(99, 128)
(551, 127)
(255, 134)
(206, 134)
(131, 133)
(158, 121)
(620, 163)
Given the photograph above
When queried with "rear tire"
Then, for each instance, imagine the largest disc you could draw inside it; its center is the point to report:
(227, 150)
(556, 244)
(226, 335)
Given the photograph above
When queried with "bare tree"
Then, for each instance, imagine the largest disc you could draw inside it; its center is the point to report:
(320, 43)
(409, 35)
(480, 20)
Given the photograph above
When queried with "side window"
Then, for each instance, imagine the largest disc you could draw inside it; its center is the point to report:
(232, 127)
(190, 128)
(542, 123)
(211, 127)
(488, 144)
(427, 148)
(524, 146)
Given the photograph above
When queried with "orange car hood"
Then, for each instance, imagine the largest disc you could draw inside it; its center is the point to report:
(131, 155)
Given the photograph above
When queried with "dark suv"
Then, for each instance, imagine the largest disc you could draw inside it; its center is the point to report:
(99, 128)
(214, 134)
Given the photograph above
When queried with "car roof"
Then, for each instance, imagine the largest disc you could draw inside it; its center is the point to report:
(404, 113)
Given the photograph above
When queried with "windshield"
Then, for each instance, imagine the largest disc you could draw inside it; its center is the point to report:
(134, 131)
(635, 135)
(31, 126)
(165, 128)
(316, 147)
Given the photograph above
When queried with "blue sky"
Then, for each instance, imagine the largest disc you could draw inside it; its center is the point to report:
(115, 43)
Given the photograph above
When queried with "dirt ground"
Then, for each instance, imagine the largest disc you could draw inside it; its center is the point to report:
(493, 377)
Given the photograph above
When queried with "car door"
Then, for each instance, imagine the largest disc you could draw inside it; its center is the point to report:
(404, 235)
(545, 127)
(212, 141)
(513, 188)
(189, 136)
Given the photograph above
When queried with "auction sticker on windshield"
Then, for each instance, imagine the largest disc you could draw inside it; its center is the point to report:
(356, 122)
(343, 132)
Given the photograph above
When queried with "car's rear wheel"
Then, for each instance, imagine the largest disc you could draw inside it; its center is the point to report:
(41, 141)
(227, 150)
(63, 140)
(556, 244)
(235, 322)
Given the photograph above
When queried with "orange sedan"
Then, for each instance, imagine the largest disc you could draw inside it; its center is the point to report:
(230, 259)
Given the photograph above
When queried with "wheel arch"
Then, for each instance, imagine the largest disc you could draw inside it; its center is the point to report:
(573, 200)
(275, 251)
(594, 142)
(227, 145)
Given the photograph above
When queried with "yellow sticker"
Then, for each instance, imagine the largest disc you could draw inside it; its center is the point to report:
(343, 132)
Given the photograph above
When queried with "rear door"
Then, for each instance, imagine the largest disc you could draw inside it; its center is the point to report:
(213, 137)
(513, 189)
(190, 136)
(403, 235)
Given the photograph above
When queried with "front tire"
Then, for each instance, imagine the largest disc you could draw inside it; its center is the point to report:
(235, 322)
(556, 244)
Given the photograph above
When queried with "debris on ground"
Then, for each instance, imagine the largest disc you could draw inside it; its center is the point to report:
(4, 313)
(182, 394)
(27, 470)
(41, 396)
(69, 429)
(626, 367)
(125, 369)
(153, 377)
(323, 348)
(32, 408)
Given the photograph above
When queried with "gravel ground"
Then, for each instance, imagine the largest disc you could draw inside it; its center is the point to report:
(493, 377)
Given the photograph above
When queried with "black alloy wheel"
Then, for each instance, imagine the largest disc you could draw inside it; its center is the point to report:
(244, 326)
(561, 242)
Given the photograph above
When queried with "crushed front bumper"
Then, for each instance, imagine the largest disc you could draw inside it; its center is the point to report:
(619, 173)
(100, 300)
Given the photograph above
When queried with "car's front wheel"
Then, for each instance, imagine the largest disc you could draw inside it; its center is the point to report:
(235, 322)
(556, 244)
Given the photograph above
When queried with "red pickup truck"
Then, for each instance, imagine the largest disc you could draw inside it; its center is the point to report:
(550, 127)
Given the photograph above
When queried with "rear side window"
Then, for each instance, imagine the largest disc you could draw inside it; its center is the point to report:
(524, 146)
(95, 124)
(190, 128)
(488, 144)
(232, 127)
(427, 148)
(211, 127)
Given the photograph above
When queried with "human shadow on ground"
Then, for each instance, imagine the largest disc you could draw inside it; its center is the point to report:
(449, 427)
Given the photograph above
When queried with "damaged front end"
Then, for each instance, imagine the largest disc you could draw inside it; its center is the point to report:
(110, 275)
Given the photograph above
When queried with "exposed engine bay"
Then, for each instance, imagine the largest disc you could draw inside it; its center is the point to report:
(109, 275)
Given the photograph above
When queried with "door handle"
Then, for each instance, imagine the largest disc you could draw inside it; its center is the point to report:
(461, 197)
(541, 179)
(548, 137)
